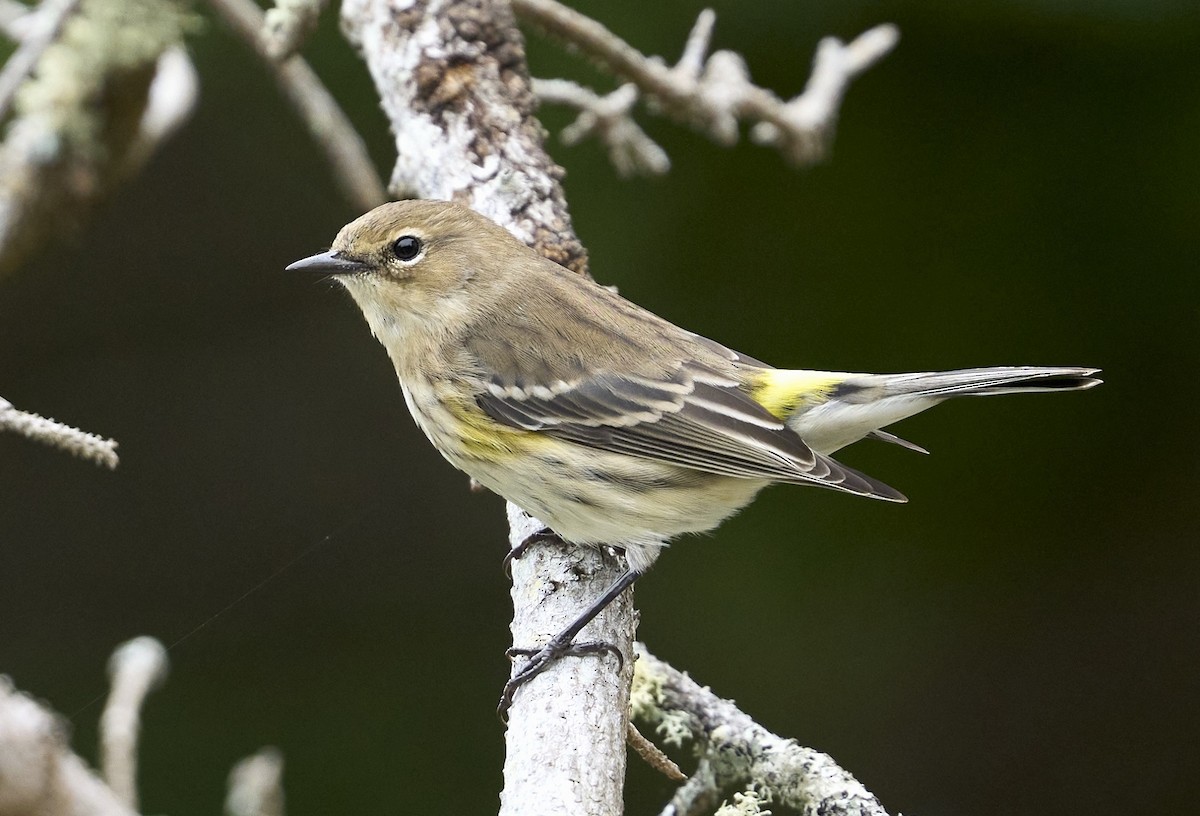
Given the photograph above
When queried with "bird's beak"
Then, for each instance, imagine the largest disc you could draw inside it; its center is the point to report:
(328, 263)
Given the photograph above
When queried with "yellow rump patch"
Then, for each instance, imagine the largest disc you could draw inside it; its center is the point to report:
(781, 391)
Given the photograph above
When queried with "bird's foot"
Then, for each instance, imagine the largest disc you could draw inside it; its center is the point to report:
(543, 535)
(541, 659)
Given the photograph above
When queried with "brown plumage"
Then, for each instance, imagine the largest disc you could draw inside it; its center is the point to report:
(526, 376)
(608, 423)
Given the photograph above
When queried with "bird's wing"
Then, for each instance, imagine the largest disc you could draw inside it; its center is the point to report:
(694, 417)
(609, 375)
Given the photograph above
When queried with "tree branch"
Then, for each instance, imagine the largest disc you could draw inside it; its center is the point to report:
(17, 20)
(256, 785)
(40, 775)
(452, 79)
(713, 95)
(738, 754)
(609, 117)
(136, 668)
(47, 22)
(90, 113)
(566, 746)
(47, 431)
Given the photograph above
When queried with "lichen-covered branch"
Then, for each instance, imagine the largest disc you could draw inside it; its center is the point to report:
(713, 95)
(43, 30)
(47, 431)
(88, 114)
(452, 79)
(737, 755)
(565, 745)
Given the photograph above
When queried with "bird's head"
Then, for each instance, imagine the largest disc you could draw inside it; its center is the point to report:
(413, 264)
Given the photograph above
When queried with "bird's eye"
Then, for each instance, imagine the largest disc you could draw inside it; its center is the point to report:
(406, 248)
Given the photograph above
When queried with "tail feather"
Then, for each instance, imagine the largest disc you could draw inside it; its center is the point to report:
(853, 406)
(988, 381)
(885, 436)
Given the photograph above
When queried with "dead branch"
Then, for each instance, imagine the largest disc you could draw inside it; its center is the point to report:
(49, 432)
(714, 95)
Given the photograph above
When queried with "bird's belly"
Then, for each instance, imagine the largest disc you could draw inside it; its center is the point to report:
(589, 496)
(586, 495)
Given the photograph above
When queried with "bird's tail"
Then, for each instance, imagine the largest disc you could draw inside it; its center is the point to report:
(981, 382)
(848, 407)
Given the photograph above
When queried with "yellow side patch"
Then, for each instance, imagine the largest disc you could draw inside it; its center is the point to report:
(480, 436)
(781, 391)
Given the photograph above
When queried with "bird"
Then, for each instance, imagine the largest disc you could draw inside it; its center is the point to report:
(611, 425)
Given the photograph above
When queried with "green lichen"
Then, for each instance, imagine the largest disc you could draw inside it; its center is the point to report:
(747, 803)
(102, 63)
(645, 696)
(646, 703)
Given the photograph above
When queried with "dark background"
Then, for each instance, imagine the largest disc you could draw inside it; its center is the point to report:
(1016, 184)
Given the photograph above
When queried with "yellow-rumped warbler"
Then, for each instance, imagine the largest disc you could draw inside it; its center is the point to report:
(603, 420)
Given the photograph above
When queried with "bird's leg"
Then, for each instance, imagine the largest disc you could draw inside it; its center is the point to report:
(560, 645)
(543, 535)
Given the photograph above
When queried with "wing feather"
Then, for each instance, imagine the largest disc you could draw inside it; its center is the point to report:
(614, 377)
(693, 418)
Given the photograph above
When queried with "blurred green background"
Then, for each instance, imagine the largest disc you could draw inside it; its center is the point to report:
(1017, 183)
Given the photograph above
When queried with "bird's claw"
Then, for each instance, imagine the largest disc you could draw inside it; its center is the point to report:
(544, 534)
(541, 659)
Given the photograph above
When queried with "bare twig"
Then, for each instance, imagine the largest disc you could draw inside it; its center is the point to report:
(135, 669)
(713, 95)
(806, 124)
(72, 440)
(738, 753)
(630, 150)
(256, 785)
(328, 124)
(653, 756)
(38, 772)
(44, 30)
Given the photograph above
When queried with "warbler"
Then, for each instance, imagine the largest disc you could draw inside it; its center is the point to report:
(606, 422)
